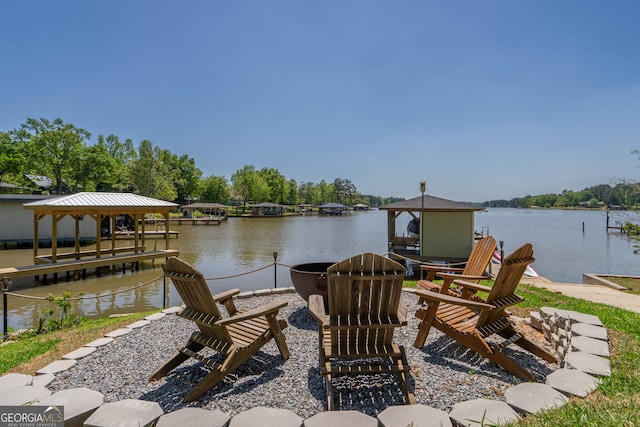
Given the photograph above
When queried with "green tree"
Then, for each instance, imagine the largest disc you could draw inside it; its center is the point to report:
(276, 182)
(12, 159)
(249, 185)
(54, 148)
(291, 192)
(151, 177)
(215, 189)
(95, 170)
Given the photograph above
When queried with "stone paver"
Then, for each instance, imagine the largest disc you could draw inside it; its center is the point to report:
(9, 381)
(43, 380)
(262, 292)
(589, 363)
(23, 395)
(118, 333)
(246, 294)
(155, 316)
(57, 366)
(79, 353)
(125, 413)
(266, 417)
(591, 331)
(483, 412)
(172, 310)
(341, 419)
(194, 417)
(590, 345)
(100, 342)
(572, 382)
(79, 404)
(414, 416)
(531, 398)
(138, 324)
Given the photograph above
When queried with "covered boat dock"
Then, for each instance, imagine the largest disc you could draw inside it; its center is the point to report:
(98, 208)
(444, 229)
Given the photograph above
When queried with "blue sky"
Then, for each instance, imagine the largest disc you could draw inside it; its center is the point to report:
(482, 99)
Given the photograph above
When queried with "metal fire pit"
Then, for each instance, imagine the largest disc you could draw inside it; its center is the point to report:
(310, 279)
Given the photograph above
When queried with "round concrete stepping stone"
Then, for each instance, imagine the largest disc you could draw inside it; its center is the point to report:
(79, 404)
(99, 342)
(589, 363)
(118, 333)
(483, 412)
(125, 413)
(23, 395)
(341, 419)
(414, 416)
(266, 417)
(57, 366)
(572, 382)
(531, 398)
(9, 381)
(138, 324)
(155, 316)
(194, 417)
(79, 353)
(590, 345)
(43, 380)
(591, 331)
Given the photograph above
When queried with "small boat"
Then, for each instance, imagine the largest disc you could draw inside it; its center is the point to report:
(529, 272)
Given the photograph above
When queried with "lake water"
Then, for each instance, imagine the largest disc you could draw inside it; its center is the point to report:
(225, 253)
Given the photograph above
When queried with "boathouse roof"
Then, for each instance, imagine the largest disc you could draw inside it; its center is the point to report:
(431, 204)
(101, 202)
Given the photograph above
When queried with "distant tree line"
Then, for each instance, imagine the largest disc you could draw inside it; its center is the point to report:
(625, 195)
(59, 151)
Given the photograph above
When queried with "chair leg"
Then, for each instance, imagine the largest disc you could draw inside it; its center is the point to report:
(278, 336)
(425, 325)
(510, 365)
(176, 360)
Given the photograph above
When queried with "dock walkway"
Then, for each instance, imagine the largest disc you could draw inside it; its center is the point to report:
(82, 264)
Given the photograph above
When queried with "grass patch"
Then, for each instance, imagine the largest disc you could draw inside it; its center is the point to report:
(27, 355)
(632, 283)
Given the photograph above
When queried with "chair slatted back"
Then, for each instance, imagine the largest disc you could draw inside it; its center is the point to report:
(480, 256)
(195, 294)
(364, 295)
(507, 280)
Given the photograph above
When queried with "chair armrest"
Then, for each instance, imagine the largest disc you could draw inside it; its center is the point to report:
(451, 277)
(222, 296)
(472, 286)
(265, 310)
(436, 297)
(316, 308)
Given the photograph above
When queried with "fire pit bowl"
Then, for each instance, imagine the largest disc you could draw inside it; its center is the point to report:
(310, 279)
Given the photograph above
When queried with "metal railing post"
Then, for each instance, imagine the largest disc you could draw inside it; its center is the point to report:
(275, 270)
(5, 316)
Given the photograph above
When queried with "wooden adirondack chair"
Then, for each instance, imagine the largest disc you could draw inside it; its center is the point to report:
(473, 271)
(471, 321)
(364, 309)
(237, 337)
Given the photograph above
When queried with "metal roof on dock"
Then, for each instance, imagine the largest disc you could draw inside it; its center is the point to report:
(431, 203)
(100, 201)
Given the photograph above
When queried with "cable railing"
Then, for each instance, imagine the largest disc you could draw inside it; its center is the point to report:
(5, 284)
